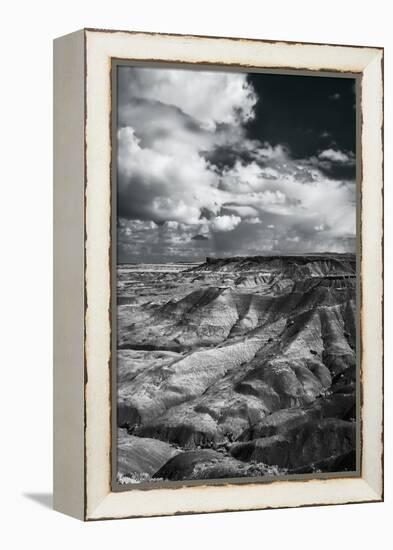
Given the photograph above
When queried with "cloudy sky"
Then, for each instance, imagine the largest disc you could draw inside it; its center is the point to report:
(220, 163)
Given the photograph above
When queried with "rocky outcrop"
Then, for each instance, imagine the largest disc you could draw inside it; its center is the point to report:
(295, 267)
(282, 422)
(252, 356)
(208, 464)
(305, 444)
(140, 458)
(160, 388)
(207, 394)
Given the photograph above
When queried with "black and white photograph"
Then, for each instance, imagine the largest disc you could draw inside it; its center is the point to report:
(236, 275)
(198, 282)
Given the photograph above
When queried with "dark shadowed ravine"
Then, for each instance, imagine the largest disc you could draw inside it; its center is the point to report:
(236, 367)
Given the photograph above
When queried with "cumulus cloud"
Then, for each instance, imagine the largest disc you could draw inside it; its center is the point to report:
(242, 211)
(191, 183)
(158, 186)
(210, 97)
(252, 220)
(225, 223)
(335, 156)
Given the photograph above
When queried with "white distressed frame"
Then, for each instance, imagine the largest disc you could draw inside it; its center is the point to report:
(100, 47)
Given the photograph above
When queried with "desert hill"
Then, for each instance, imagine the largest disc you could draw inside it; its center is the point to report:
(247, 363)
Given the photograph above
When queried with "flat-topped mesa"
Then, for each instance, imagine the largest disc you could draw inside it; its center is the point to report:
(291, 266)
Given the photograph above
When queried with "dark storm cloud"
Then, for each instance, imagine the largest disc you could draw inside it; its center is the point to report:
(218, 164)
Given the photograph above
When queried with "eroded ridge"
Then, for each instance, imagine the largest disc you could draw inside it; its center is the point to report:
(237, 367)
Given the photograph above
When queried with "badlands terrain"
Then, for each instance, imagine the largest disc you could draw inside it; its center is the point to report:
(236, 367)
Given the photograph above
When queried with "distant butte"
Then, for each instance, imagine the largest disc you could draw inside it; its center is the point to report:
(200, 238)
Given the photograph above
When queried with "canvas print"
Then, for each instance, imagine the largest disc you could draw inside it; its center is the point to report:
(236, 310)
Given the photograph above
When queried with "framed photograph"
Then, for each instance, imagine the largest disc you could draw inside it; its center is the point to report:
(218, 274)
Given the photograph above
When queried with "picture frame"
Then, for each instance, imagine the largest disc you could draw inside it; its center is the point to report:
(85, 283)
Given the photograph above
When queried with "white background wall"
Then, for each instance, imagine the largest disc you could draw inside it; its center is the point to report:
(27, 29)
